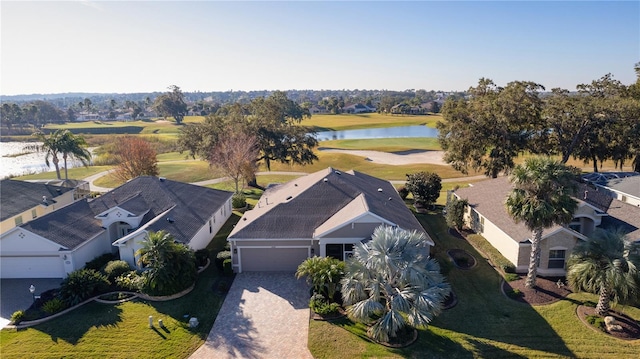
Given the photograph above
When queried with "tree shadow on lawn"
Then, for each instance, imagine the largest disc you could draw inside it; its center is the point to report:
(482, 310)
(74, 325)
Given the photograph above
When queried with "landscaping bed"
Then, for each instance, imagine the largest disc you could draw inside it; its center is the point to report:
(546, 291)
(630, 328)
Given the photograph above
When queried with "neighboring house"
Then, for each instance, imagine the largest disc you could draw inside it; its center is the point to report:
(487, 215)
(60, 242)
(314, 110)
(323, 213)
(357, 108)
(21, 201)
(625, 189)
(86, 116)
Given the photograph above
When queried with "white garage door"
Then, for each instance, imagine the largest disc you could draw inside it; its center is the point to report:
(272, 259)
(31, 267)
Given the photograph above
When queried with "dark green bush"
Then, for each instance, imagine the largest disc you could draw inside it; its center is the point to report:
(596, 321)
(515, 294)
(82, 284)
(53, 306)
(17, 316)
(228, 267)
(403, 192)
(221, 257)
(508, 268)
(115, 269)
(239, 200)
(319, 304)
(100, 262)
(130, 281)
(201, 257)
(510, 277)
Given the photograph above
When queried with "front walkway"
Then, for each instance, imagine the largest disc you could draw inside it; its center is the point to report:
(265, 315)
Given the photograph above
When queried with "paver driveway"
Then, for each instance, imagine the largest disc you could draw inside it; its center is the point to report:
(15, 295)
(265, 315)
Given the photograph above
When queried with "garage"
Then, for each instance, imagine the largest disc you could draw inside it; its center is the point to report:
(272, 259)
(32, 267)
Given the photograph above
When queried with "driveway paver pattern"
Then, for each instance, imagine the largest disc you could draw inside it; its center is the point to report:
(265, 315)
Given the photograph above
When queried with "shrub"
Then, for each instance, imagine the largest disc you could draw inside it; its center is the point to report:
(17, 316)
(201, 257)
(228, 267)
(82, 284)
(323, 273)
(596, 321)
(239, 200)
(515, 294)
(454, 213)
(221, 257)
(53, 306)
(130, 281)
(115, 269)
(100, 262)
(320, 305)
(403, 192)
(510, 277)
(508, 268)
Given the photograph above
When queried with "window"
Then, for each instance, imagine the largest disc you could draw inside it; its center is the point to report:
(18, 220)
(34, 213)
(556, 258)
(340, 251)
(210, 226)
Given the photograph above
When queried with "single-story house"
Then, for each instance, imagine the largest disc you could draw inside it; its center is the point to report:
(21, 201)
(324, 213)
(53, 245)
(487, 215)
(357, 108)
(625, 189)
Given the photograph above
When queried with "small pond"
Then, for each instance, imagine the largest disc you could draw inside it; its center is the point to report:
(387, 132)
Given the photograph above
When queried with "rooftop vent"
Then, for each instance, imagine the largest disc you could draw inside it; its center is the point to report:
(325, 180)
(44, 200)
(170, 220)
(288, 198)
(338, 172)
(390, 198)
(379, 189)
(162, 179)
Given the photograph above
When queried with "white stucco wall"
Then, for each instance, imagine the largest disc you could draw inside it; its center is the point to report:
(204, 235)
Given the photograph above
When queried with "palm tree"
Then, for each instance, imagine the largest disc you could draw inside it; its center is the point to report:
(391, 282)
(171, 266)
(605, 264)
(51, 145)
(323, 273)
(75, 147)
(541, 197)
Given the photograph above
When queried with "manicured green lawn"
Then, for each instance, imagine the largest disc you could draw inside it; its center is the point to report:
(367, 120)
(484, 323)
(121, 331)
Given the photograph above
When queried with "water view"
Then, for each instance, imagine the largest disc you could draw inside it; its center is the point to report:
(16, 160)
(387, 132)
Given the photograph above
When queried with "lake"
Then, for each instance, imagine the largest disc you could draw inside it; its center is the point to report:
(14, 163)
(387, 132)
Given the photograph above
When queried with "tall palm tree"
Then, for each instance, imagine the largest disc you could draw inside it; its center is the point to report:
(541, 197)
(75, 147)
(391, 282)
(51, 146)
(605, 264)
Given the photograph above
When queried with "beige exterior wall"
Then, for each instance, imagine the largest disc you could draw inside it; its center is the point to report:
(27, 216)
(501, 241)
(354, 230)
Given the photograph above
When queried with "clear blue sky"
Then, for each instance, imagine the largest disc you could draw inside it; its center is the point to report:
(86, 46)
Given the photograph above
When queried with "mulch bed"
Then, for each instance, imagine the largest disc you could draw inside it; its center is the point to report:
(546, 291)
(329, 317)
(630, 328)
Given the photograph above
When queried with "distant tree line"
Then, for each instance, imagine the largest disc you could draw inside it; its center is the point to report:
(488, 130)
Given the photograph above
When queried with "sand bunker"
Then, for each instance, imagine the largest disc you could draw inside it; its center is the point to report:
(401, 158)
